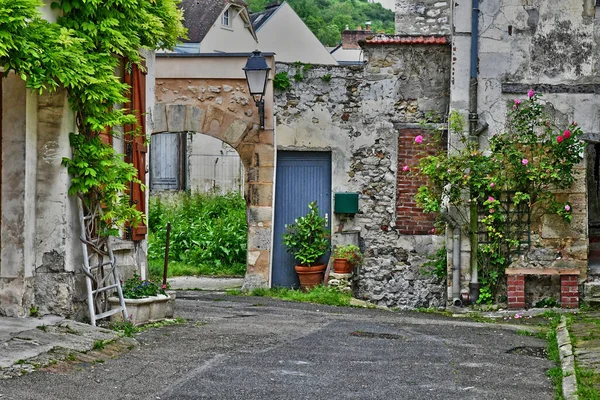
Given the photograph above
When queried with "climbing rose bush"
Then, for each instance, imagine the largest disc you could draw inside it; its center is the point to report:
(530, 161)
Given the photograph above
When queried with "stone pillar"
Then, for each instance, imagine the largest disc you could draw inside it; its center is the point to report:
(17, 241)
(259, 161)
(569, 291)
(516, 291)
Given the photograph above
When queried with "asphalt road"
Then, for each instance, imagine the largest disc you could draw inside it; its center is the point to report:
(259, 348)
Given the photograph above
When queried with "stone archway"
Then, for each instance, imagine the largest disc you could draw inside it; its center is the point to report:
(256, 149)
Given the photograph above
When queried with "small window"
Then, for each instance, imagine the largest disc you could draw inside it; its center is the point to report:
(225, 18)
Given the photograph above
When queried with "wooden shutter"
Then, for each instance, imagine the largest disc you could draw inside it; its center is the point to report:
(135, 144)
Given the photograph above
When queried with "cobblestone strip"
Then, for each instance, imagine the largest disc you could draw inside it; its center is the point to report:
(567, 361)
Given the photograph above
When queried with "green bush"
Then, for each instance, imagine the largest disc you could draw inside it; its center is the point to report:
(207, 230)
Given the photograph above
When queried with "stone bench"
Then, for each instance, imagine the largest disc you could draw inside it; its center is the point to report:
(569, 290)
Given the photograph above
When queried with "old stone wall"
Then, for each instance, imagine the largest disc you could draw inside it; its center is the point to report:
(423, 17)
(356, 113)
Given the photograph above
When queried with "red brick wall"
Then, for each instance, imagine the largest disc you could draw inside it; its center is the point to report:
(410, 218)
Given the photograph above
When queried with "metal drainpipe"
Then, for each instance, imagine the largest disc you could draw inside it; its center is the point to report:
(474, 132)
(456, 301)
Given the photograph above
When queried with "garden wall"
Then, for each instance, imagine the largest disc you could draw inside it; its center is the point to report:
(357, 113)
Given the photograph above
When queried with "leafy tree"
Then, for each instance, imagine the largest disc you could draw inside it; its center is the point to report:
(328, 18)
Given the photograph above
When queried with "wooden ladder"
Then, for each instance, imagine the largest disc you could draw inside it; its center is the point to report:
(98, 280)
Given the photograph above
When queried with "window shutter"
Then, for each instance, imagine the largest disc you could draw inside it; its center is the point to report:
(135, 146)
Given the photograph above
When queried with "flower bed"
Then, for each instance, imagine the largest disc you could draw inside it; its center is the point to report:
(145, 300)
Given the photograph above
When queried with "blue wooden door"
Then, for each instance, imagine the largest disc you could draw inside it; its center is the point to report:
(302, 177)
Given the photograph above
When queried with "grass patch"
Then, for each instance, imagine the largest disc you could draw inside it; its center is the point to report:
(127, 329)
(587, 380)
(555, 373)
(155, 268)
(208, 234)
(318, 295)
(99, 345)
(522, 332)
(437, 311)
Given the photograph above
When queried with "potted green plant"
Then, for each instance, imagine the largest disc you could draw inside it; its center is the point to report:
(345, 258)
(307, 240)
(146, 301)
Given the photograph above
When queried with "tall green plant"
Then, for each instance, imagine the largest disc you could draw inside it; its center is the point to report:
(206, 229)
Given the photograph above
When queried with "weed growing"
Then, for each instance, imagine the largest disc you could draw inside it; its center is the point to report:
(318, 295)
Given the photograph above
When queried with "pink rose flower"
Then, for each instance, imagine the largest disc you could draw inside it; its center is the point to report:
(517, 102)
(492, 211)
(405, 168)
(490, 199)
(559, 139)
(525, 161)
(530, 93)
(492, 184)
(567, 134)
(432, 231)
(567, 207)
(419, 139)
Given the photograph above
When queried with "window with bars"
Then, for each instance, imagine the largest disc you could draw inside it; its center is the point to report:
(515, 230)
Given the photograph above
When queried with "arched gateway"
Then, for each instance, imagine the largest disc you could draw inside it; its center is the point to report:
(208, 94)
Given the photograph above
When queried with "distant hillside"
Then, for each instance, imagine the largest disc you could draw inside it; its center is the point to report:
(328, 18)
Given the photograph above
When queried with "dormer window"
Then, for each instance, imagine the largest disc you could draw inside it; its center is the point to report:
(225, 18)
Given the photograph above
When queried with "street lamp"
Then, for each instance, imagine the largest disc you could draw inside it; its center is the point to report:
(257, 72)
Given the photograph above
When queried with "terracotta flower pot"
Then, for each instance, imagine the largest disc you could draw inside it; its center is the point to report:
(310, 276)
(342, 266)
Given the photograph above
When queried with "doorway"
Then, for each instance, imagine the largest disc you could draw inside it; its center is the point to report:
(302, 177)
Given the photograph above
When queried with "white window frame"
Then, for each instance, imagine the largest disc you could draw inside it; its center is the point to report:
(226, 18)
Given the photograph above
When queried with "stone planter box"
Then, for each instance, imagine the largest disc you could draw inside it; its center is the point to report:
(148, 309)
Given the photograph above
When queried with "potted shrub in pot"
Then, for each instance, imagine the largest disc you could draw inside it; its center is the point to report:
(345, 258)
(145, 300)
(307, 240)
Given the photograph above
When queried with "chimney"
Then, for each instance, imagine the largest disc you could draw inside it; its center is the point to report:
(350, 38)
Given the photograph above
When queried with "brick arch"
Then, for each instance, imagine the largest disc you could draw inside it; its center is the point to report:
(256, 150)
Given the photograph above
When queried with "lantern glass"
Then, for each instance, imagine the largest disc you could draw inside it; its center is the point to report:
(257, 81)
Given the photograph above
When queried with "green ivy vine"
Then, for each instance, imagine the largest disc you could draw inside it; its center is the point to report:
(82, 53)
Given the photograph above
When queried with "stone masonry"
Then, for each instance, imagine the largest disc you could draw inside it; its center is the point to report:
(357, 114)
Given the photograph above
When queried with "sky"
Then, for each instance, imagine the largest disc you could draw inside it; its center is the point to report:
(389, 4)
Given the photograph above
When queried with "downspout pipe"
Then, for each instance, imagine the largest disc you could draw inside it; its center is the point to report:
(456, 301)
(474, 131)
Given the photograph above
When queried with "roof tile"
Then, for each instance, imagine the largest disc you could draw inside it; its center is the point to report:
(399, 39)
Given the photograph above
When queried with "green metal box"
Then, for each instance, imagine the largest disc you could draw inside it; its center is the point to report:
(345, 203)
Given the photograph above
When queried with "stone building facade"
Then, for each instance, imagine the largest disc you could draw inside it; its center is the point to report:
(363, 116)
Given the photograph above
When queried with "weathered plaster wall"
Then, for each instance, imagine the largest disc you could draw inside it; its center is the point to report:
(57, 252)
(223, 109)
(356, 115)
(548, 46)
(17, 197)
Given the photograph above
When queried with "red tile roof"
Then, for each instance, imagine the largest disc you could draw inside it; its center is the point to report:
(398, 39)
